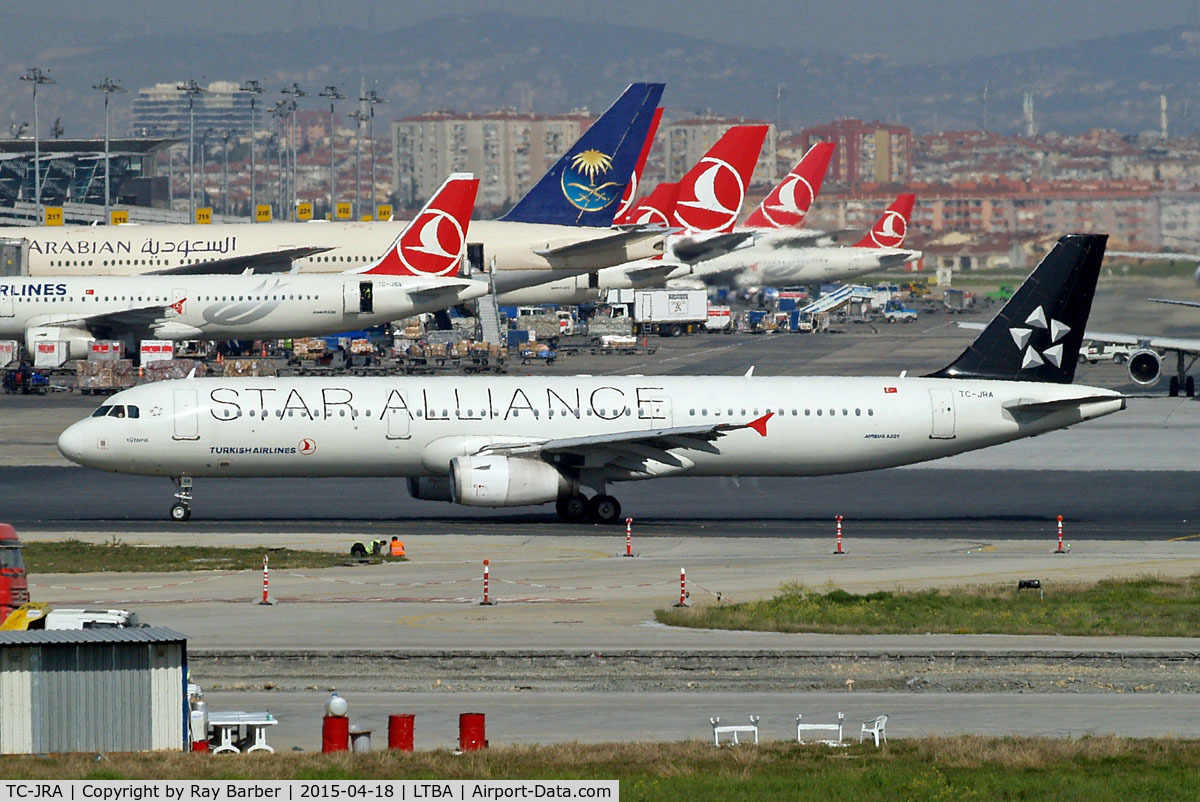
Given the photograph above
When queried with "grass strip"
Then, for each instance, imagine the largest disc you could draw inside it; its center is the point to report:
(1144, 606)
(78, 557)
(957, 768)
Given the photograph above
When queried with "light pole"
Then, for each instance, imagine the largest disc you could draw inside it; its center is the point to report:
(204, 196)
(35, 77)
(225, 174)
(296, 92)
(107, 86)
(280, 112)
(372, 99)
(192, 89)
(358, 118)
(255, 89)
(333, 94)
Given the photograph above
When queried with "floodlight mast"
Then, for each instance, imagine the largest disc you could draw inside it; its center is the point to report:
(255, 89)
(107, 86)
(35, 77)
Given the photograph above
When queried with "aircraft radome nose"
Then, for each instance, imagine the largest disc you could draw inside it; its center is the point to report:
(71, 443)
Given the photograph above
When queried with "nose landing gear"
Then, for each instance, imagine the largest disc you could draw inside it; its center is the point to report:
(181, 510)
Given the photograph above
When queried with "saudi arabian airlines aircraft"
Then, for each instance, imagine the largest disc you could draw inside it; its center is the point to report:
(249, 307)
(514, 441)
(560, 227)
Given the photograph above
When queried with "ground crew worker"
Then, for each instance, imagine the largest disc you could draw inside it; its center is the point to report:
(397, 547)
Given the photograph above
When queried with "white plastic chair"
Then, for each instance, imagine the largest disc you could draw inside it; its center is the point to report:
(874, 727)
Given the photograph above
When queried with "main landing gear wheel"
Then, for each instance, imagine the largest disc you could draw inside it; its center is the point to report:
(572, 508)
(1173, 387)
(604, 509)
(180, 512)
(1189, 386)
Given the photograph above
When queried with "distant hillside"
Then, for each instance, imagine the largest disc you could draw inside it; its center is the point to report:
(481, 62)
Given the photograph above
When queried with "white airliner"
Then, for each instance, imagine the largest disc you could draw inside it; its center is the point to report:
(514, 441)
(560, 227)
(252, 307)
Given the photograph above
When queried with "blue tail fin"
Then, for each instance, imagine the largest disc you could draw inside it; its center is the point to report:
(584, 187)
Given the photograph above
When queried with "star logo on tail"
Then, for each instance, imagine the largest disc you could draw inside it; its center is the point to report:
(1031, 356)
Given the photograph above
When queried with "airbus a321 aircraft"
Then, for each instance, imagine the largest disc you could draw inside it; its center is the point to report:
(407, 281)
(513, 441)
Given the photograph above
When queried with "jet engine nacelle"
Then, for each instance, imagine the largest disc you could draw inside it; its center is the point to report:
(80, 340)
(430, 488)
(1145, 366)
(493, 481)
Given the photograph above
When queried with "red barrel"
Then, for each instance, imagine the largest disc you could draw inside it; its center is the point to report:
(199, 746)
(335, 734)
(400, 732)
(471, 734)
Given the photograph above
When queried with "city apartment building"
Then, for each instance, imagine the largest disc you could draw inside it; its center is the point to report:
(865, 153)
(683, 143)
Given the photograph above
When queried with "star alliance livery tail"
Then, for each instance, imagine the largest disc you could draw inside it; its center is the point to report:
(584, 186)
(432, 243)
(790, 200)
(1036, 336)
(891, 228)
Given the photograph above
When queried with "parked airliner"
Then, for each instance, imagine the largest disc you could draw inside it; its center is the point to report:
(409, 279)
(560, 227)
(512, 441)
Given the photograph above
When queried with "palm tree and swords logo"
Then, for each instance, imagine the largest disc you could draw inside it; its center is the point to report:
(579, 181)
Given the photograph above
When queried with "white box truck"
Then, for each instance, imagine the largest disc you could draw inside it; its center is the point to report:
(670, 312)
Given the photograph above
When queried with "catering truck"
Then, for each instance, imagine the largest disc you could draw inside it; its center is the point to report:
(670, 313)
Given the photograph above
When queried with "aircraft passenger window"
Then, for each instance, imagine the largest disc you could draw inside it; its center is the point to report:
(101, 411)
(289, 412)
(704, 413)
(871, 412)
(550, 413)
(628, 412)
(252, 413)
(820, 413)
(343, 412)
(845, 412)
(446, 413)
(420, 413)
(807, 412)
(369, 414)
(858, 412)
(743, 412)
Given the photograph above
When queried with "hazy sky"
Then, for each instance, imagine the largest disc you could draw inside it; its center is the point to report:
(926, 30)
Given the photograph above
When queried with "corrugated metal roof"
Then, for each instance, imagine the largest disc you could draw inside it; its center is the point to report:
(106, 635)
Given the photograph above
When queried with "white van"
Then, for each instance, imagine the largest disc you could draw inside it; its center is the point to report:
(79, 618)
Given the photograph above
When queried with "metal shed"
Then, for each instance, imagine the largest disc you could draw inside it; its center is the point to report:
(121, 690)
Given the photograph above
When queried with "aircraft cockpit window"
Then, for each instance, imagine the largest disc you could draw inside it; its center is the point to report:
(134, 412)
(101, 411)
(116, 411)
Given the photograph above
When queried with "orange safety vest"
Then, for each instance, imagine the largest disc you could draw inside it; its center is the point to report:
(397, 548)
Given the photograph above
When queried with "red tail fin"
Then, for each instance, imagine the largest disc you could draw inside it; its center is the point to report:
(433, 241)
(890, 229)
(654, 209)
(635, 180)
(711, 194)
(789, 201)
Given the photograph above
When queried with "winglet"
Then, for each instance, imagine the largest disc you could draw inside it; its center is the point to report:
(760, 424)
(432, 243)
(891, 228)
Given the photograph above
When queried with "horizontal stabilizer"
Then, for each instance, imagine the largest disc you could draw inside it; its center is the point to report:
(692, 250)
(616, 239)
(1022, 405)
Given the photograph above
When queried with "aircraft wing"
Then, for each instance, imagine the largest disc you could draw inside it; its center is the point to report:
(109, 324)
(585, 253)
(1172, 301)
(638, 451)
(781, 238)
(279, 261)
(419, 289)
(692, 250)
(1117, 338)
(649, 272)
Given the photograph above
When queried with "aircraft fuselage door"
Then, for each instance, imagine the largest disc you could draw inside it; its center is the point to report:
(941, 400)
(187, 415)
(366, 297)
(399, 421)
(351, 297)
(474, 261)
